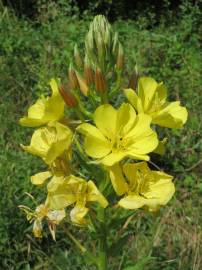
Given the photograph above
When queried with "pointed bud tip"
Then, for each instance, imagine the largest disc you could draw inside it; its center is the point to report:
(68, 97)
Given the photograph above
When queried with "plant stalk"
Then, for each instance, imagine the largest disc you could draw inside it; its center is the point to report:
(103, 243)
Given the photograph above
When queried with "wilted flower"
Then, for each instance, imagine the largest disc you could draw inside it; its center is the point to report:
(63, 192)
(53, 217)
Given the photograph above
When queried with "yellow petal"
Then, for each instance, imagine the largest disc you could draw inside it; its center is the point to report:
(40, 178)
(61, 198)
(160, 149)
(105, 119)
(61, 142)
(146, 90)
(132, 202)
(118, 182)
(50, 142)
(147, 188)
(172, 116)
(54, 88)
(134, 100)
(54, 109)
(141, 127)
(55, 182)
(95, 144)
(37, 228)
(142, 139)
(65, 191)
(56, 216)
(162, 93)
(35, 115)
(45, 110)
(77, 215)
(126, 117)
(134, 155)
(94, 195)
(113, 158)
(130, 170)
(162, 189)
(41, 211)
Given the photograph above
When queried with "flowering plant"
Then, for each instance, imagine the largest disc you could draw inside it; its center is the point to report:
(97, 151)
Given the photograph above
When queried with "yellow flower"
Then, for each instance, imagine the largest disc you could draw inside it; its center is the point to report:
(150, 99)
(65, 191)
(142, 187)
(50, 142)
(46, 109)
(118, 134)
(54, 217)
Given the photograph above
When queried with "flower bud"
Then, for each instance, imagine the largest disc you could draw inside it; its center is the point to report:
(120, 58)
(133, 80)
(72, 78)
(100, 82)
(88, 72)
(115, 44)
(77, 57)
(82, 84)
(107, 36)
(99, 42)
(68, 97)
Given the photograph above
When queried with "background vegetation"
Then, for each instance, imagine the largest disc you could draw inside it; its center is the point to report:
(38, 45)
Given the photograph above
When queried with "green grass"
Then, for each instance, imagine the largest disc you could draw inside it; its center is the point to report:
(32, 53)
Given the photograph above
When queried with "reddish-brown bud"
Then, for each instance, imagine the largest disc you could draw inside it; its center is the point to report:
(88, 72)
(133, 80)
(100, 81)
(82, 84)
(68, 97)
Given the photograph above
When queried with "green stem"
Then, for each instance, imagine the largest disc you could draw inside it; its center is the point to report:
(80, 149)
(80, 115)
(104, 97)
(103, 242)
(118, 85)
(83, 250)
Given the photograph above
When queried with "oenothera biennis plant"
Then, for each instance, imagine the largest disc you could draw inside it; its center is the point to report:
(97, 151)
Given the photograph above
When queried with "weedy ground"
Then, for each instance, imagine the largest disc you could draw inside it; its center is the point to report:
(32, 53)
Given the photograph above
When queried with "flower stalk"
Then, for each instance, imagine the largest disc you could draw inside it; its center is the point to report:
(103, 258)
(102, 160)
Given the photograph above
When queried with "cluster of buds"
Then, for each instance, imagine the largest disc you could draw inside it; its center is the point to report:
(102, 45)
(103, 62)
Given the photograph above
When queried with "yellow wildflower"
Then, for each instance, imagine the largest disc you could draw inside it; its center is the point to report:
(45, 109)
(150, 99)
(50, 142)
(63, 192)
(118, 134)
(142, 187)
